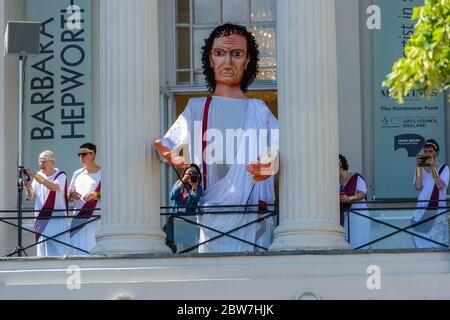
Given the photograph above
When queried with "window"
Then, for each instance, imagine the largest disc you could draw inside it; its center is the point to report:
(194, 21)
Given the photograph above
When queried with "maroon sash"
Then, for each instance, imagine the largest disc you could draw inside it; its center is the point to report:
(434, 200)
(262, 209)
(204, 129)
(349, 190)
(46, 212)
(85, 213)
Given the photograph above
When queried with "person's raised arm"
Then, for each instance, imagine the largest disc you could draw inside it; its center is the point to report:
(41, 180)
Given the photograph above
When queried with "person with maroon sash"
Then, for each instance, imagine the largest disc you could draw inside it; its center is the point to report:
(431, 181)
(233, 139)
(48, 190)
(353, 191)
(84, 191)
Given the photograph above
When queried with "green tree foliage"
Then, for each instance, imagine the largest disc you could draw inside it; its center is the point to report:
(426, 67)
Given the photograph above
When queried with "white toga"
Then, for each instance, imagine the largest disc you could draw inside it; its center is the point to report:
(439, 230)
(84, 183)
(228, 183)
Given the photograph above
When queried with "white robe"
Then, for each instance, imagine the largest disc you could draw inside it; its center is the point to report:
(439, 231)
(55, 226)
(232, 187)
(85, 183)
(359, 226)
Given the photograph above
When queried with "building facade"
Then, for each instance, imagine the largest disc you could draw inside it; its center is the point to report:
(317, 76)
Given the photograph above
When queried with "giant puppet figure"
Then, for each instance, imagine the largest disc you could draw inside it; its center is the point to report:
(238, 154)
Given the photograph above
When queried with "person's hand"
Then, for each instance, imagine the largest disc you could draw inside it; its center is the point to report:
(177, 161)
(74, 195)
(28, 184)
(344, 198)
(429, 163)
(186, 178)
(90, 196)
(31, 172)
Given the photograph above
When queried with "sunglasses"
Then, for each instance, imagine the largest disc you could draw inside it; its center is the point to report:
(84, 154)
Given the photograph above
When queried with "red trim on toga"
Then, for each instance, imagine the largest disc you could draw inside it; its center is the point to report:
(434, 200)
(262, 209)
(349, 190)
(85, 212)
(46, 212)
(204, 129)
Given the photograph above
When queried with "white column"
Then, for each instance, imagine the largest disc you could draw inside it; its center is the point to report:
(129, 76)
(308, 119)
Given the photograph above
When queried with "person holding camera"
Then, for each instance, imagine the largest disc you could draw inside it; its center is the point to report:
(431, 181)
(48, 190)
(185, 194)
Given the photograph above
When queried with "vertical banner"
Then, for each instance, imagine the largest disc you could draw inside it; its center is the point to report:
(400, 130)
(58, 83)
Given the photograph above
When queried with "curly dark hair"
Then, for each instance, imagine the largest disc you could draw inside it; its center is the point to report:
(344, 162)
(252, 50)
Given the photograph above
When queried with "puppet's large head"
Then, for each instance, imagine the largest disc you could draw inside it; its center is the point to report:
(230, 57)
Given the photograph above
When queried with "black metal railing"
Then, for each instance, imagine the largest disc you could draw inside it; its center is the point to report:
(378, 206)
(181, 215)
(19, 226)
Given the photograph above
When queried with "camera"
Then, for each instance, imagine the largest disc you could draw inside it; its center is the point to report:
(194, 177)
(424, 160)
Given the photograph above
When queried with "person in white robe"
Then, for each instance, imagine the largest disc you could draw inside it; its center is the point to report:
(84, 191)
(48, 190)
(239, 153)
(431, 180)
(353, 193)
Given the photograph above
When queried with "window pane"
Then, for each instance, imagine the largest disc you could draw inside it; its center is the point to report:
(184, 77)
(206, 11)
(235, 11)
(263, 10)
(182, 11)
(184, 47)
(199, 41)
(199, 78)
(269, 74)
(266, 38)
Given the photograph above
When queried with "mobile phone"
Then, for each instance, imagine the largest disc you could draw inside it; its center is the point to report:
(26, 175)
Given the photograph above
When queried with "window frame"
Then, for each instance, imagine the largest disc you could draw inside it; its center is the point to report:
(172, 27)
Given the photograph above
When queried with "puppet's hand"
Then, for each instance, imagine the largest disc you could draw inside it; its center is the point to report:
(173, 159)
(263, 169)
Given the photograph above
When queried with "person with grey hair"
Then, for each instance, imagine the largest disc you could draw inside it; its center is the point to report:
(48, 190)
